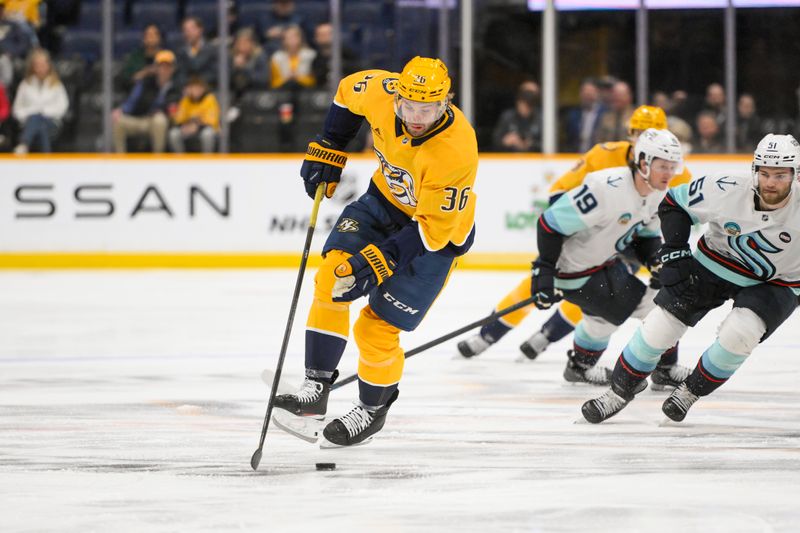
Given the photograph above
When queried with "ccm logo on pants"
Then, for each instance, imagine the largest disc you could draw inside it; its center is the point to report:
(400, 305)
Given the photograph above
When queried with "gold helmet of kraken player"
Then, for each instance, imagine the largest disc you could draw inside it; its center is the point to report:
(646, 117)
(422, 94)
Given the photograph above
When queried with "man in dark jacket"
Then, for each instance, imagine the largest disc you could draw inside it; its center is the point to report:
(148, 106)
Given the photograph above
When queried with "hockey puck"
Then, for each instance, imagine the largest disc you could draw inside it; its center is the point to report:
(326, 466)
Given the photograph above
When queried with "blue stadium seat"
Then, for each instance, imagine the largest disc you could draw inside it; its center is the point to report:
(207, 12)
(361, 13)
(91, 16)
(164, 16)
(125, 42)
(315, 13)
(83, 43)
(250, 15)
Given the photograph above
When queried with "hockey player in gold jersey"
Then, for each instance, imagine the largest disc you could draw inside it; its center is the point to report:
(397, 244)
(567, 316)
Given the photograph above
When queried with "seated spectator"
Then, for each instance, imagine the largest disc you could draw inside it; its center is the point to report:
(282, 15)
(291, 65)
(40, 104)
(196, 57)
(25, 10)
(582, 121)
(679, 127)
(323, 43)
(140, 62)
(748, 124)
(714, 104)
(4, 114)
(614, 123)
(197, 118)
(6, 70)
(17, 39)
(147, 107)
(708, 139)
(520, 129)
(249, 68)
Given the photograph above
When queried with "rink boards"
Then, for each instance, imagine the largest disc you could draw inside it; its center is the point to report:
(237, 211)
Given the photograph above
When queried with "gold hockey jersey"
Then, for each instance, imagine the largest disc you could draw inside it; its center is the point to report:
(600, 156)
(429, 178)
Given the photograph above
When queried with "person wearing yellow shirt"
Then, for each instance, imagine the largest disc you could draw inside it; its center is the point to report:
(396, 245)
(292, 64)
(197, 118)
(565, 319)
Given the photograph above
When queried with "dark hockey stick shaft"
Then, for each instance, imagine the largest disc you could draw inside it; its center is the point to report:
(444, 338)
(256, 459)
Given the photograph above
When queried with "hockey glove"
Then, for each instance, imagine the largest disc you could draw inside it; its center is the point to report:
(677, 269)
(358, 275)
(543, 287)
(322, 164)
(654, 266)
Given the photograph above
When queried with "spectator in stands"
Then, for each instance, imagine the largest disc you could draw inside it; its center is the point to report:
(196, 57)
(519, 129)
(25, 10)
(148, 106)
(291, 65)
(249, 64)
(323, 43)
(140, 62)
(614, 123)
(40, 104)
(283, 14)
(748, 124)
(714, 104)
(197, 118)
(4, 122)
(583, 120)
(17, 39)
(679, 127)
(708, 140)
(6, 70)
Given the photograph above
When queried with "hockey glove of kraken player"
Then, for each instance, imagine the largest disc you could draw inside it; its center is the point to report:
(358, 275)
(543, 287)
(322, 164)
(677, 269)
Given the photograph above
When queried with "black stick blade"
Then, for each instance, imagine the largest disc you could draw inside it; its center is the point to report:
(255, 459)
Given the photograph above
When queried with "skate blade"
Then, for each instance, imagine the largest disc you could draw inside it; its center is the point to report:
(659, 387)
(306, 428)
(325, 444)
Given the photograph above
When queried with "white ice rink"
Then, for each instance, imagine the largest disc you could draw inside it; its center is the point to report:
(132, 401)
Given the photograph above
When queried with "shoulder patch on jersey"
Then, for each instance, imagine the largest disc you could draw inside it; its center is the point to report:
(625, 218)
(732, 228)
(390, 85)
(726, 181)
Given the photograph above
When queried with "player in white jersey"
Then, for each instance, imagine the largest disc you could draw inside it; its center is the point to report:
(580, 237)
(748, 254)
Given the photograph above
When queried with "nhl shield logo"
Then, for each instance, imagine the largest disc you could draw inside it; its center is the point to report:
(347, 225)
(732, 228)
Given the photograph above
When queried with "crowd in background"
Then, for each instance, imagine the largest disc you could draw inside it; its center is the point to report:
(165, 84)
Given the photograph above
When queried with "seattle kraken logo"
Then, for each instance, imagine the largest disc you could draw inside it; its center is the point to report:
(625, 241)
(400, 182)
(751, 248)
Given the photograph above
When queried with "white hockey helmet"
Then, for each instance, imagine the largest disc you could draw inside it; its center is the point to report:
(652, 144)
(776, 151)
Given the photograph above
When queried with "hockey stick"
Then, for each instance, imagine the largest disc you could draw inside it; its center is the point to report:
(444, 338)
(311, 224)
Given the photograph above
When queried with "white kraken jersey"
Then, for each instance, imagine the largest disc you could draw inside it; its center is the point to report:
(742, 245)
(600, 219)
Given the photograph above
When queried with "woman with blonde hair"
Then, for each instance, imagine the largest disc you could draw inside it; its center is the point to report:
(40, 104)
(291, 65)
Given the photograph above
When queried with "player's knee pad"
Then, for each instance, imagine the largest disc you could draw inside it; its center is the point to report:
(596, 327)
(741, 331)
(520, 293)
(646, 304)
(661, 329)
(570, 312)
(380, 357)
(326, 315)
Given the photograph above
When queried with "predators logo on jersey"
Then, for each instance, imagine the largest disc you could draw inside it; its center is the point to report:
(400, 182)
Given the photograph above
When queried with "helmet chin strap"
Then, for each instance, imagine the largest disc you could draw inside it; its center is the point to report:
(646, 177)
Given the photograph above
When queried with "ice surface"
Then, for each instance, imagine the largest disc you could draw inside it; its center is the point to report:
(132, 401)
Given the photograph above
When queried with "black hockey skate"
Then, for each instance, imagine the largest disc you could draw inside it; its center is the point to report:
(356, 427)
(663, 378)
(679, 402)
(473, 346)
(576, 372)
(535, 345)
(308, 405)
(609, 404)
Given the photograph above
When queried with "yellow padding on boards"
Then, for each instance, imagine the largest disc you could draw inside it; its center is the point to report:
(325, 314)
(380, 359)
(520, 293)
